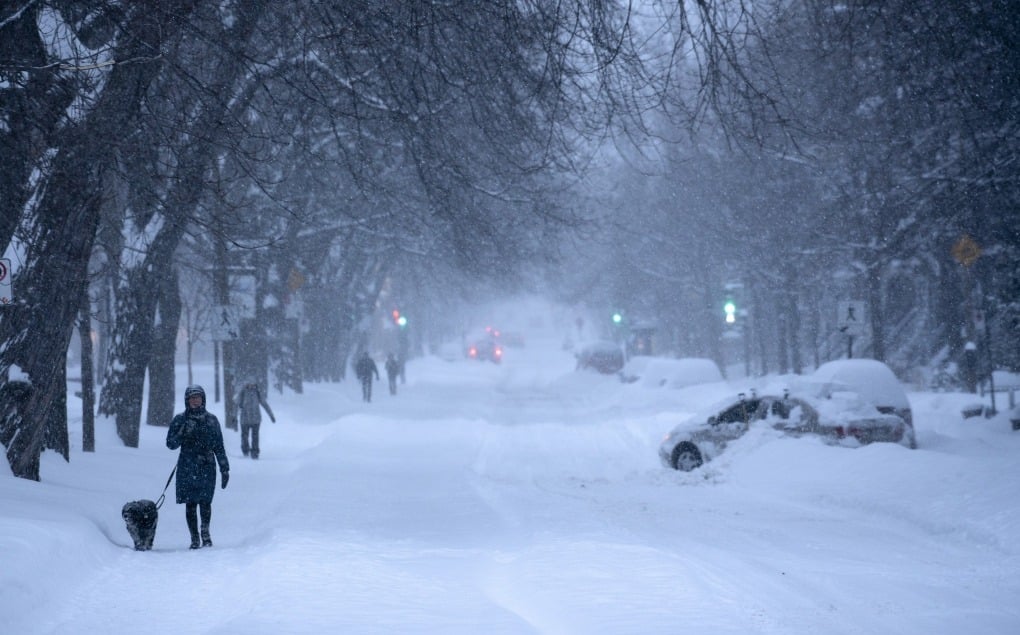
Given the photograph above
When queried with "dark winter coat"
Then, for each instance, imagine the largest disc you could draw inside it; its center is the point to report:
(248, 402)
(392, 367)
(197, 433)
(365, 368)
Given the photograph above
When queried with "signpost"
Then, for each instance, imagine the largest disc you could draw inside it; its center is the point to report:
(226, 323)
(850, 319)
(6, 287)
(966, 251)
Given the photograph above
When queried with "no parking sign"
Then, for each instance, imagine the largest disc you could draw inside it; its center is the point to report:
(6, 288)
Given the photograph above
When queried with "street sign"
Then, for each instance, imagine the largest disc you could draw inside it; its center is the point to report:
(226, 323)
(850, 318)
(966, 251)
(6, 287)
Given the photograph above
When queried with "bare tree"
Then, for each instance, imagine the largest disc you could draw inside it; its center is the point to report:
(61, 228)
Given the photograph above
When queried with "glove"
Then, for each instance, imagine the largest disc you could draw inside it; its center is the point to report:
(224, 476)
(188, 429)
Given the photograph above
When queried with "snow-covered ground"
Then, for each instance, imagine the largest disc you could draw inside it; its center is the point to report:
(526, 498)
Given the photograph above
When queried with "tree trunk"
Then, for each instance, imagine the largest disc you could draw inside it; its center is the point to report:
(216, 368)
(57, 437)
(39, 326)
(164, 347)
(123, 388)
(88, 387)
(793, 310)
(760, 329)
(15, 433)
(782, 331)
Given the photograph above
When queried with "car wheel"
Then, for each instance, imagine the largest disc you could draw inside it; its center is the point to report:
(686, 456)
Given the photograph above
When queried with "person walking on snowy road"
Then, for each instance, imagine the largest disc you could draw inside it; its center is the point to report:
(364, 368)
(392, 371)
(249, 400)
(197, 433)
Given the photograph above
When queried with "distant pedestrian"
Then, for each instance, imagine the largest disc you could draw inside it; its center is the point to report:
(364, 369)
(197, 433)
(249, 400)
(392, 371)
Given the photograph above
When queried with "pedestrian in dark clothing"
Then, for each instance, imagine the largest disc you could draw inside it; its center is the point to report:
(249, 399)
(364, 369)
(197, 433)
(392, 371)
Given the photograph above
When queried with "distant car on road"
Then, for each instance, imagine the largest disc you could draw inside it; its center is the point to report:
(841, 418)
(485, 349)
(603, 356)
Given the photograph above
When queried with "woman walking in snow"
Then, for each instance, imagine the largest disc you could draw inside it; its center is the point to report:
(197, 433)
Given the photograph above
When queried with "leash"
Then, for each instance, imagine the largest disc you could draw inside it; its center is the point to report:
(159, 503)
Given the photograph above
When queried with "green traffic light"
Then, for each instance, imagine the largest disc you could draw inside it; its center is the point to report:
(617, 318)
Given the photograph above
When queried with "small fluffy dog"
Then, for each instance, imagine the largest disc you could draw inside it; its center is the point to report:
(140, 517)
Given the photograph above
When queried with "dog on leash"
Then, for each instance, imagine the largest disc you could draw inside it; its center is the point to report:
(140, 517)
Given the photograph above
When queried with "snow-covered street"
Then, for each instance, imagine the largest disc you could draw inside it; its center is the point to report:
(682, 317)
(526, 498)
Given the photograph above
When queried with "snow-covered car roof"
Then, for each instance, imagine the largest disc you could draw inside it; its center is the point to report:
(871, 379)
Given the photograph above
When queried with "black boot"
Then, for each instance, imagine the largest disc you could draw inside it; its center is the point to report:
(206, 510)
(191, 517)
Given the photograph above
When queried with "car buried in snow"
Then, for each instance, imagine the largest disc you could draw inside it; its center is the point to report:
(842, 418)
(872, 380)
(603, 357)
